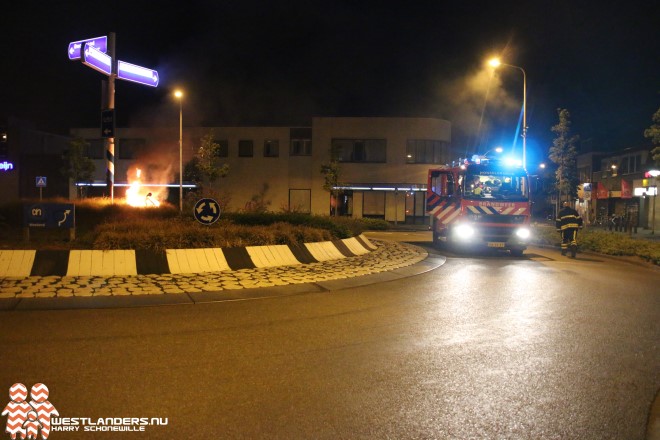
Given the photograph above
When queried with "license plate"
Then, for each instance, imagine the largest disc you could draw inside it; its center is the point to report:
(496, 244)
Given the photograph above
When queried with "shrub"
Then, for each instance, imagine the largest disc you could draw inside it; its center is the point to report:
(604, 242)
(340, 227)
(177, 233)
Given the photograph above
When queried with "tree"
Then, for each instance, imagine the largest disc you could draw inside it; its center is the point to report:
(205, 168)
(653, 133)
(330, 173)
(258, 203)
(77, 166)
(563, 153)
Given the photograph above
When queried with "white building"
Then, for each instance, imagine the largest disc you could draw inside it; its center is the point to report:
(384, 162)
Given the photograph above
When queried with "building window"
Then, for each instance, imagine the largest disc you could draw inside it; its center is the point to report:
(245, 148)
(300, 147)
(223, 148)
(360, 150)
(427, 151)
(271, 148)
(130, 148)
(94, 148)
(630, 164)
(301, 141)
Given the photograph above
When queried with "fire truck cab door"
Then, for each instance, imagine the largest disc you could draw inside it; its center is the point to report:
(444, 184)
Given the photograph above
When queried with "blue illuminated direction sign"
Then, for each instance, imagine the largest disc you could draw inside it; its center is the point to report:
(96, 59)
(76, 47)
(50, 215)
(141, 75)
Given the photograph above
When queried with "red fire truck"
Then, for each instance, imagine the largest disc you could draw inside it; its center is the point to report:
(480, 202)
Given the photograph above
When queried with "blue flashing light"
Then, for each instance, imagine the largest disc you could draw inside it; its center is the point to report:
(513, 162)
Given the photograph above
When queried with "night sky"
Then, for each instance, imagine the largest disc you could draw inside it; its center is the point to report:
(281, 62)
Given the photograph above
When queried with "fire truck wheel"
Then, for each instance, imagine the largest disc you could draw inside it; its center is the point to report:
(516, 252)
(436, 243)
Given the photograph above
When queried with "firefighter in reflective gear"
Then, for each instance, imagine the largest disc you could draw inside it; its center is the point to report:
(567, 223)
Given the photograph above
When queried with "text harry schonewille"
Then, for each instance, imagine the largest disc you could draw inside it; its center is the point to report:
(106, 424)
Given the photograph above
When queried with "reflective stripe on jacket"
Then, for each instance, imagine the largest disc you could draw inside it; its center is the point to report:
(568, 218)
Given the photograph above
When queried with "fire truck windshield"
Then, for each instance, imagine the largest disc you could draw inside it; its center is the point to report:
(495, 185)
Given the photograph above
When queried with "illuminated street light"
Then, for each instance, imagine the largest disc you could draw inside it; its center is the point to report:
(495, 63)
(179, 95)
(496, 149)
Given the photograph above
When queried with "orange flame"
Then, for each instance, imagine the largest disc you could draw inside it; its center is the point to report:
(139, 196)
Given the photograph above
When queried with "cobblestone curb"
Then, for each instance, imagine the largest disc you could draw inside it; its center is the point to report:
(388, 256)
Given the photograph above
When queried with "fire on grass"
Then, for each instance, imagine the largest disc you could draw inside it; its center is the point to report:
(141, 195)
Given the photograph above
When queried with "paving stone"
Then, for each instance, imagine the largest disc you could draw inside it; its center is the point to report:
(103, 291)
(64, 293)
(84, 292)
(13, 279)
(44, 294)
(148, 292)
(120, 292)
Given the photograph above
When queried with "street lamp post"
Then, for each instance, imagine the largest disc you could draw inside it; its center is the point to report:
(179, 95)
(495, 62)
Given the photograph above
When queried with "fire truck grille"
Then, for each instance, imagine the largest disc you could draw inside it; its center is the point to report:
(505, 219)
(494, 233)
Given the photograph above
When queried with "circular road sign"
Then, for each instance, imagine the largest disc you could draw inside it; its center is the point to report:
(206, 211)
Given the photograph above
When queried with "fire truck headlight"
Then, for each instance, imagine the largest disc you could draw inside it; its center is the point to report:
(523, 233)
(464, 231)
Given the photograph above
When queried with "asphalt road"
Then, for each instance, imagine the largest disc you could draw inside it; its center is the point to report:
(483, 347)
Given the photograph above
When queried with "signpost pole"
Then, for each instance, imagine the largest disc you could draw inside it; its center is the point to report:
(110, 141)
(93, 54)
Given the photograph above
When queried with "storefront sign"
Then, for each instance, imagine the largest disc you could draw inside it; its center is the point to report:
(6, 166)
